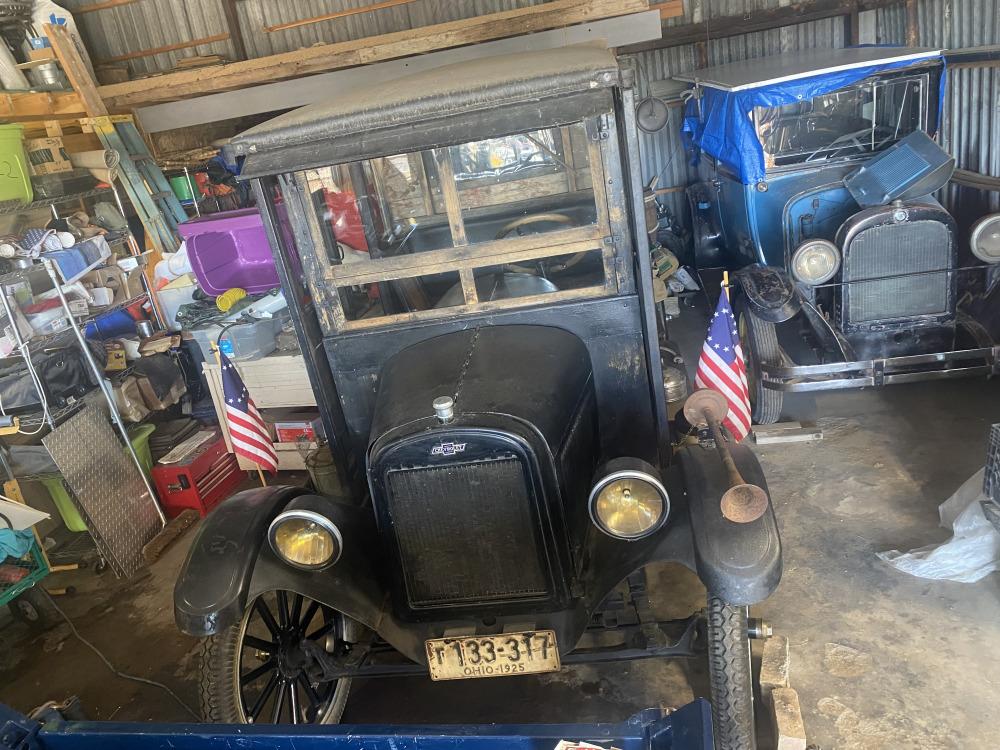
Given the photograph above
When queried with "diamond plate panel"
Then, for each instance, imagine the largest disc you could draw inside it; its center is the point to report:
(107, 488)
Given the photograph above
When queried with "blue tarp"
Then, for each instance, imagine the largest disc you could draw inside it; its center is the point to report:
(726, 131)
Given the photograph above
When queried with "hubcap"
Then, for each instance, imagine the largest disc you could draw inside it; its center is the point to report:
(272, 683)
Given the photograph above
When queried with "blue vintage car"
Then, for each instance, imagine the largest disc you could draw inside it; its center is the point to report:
(816, 175)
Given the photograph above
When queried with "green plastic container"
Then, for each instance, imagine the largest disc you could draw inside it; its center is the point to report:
(139, 437)
(15, 181)
(182, 188)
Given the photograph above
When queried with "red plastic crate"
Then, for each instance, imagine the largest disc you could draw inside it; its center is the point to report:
(201, 481)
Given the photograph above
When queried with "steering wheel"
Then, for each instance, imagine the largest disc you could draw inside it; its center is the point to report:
(523, 221)
(541, 268)
(851, 140)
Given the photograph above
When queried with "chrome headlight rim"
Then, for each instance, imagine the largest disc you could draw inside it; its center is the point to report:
(974, 236)
(806, 247)
(641, 473)
(320, 520)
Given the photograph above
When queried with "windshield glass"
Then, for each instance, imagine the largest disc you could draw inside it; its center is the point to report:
(481, 221)
(856, 120)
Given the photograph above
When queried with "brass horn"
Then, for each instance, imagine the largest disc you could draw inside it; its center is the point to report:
(742, 502)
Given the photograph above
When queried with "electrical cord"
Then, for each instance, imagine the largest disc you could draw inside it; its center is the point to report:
(115, 670)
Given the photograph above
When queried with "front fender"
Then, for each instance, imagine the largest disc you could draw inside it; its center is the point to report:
(740, 562)
(212, 587)
(771, 294)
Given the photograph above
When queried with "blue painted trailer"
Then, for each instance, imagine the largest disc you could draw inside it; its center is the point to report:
(688, 728)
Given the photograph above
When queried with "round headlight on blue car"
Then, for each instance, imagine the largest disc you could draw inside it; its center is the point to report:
(985, 239)
(815, 262)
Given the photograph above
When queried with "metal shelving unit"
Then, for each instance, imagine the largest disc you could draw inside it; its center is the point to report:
(16, 207)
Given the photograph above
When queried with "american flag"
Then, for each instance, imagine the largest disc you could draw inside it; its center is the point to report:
(723, 369)
(246, 429)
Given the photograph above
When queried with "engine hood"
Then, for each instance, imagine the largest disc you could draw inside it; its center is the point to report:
(537, 374)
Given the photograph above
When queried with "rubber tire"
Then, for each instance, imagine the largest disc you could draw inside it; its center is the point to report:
(760, 346)
(39, 602)
(218, 669)
(730, 676)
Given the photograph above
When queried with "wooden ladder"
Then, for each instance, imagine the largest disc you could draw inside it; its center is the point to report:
(143, 180)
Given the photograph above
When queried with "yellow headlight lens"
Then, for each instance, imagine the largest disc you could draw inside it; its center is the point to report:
(628, 507)
(305, 541)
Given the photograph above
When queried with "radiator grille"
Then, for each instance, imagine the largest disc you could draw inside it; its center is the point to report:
(906, 248)
(466, 532)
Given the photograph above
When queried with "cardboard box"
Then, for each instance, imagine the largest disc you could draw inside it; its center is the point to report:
(293, 425)
(47, 156)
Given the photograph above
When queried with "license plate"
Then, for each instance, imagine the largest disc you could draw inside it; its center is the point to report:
(492, 655)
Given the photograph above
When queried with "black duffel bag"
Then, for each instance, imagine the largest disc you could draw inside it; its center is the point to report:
(62, 369)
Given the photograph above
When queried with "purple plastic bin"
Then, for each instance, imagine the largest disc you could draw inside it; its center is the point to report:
(228, 250)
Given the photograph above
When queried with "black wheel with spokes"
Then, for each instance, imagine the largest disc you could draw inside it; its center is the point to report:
(253, 673)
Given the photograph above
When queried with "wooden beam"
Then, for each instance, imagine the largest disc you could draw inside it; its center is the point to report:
(234, 29)
(76, 70)
(160, 50)
(803, 11)
(549, 15)
(42, 105)
(336, 14)
(912, 24)
(669, 9)
(101, 6)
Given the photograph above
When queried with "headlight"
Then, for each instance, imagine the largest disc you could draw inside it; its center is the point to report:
(815, 262)
(985, 239)
(628, 501)
(305, 539)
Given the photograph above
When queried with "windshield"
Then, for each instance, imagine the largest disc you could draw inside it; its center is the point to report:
(475, 222)
(856, 120)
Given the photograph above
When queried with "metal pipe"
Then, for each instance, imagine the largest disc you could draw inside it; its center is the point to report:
(742, 502)
(20, 346)
(109, 395)
(194, 195)
(137, 253)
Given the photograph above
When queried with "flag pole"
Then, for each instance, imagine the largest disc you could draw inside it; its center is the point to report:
(725, 283)
(218, 361)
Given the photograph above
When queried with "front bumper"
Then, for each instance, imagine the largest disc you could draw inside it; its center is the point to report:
(878, 372)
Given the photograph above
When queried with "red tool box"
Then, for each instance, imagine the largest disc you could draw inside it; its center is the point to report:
(199, 473)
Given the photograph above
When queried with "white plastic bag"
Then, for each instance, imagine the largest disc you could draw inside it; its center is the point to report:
(973, 551)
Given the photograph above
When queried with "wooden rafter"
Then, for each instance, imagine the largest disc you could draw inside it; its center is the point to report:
(321, 58)
(94, 7)
(76, 70)
(165, 48)
(337, 14)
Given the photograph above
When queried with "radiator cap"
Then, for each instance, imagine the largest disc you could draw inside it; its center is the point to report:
(444, 408)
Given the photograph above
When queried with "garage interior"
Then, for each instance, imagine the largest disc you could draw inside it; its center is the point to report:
(130, 122)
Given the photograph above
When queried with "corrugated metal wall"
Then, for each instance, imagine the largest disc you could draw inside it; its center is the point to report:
(971, 126)
(972, 111)
(662, 152)
(148, 24)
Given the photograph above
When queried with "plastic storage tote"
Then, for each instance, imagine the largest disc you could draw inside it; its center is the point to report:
(228, 250)
(243, 341)
(15, 182)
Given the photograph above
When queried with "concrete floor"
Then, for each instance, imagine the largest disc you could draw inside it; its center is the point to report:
(880, 659)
